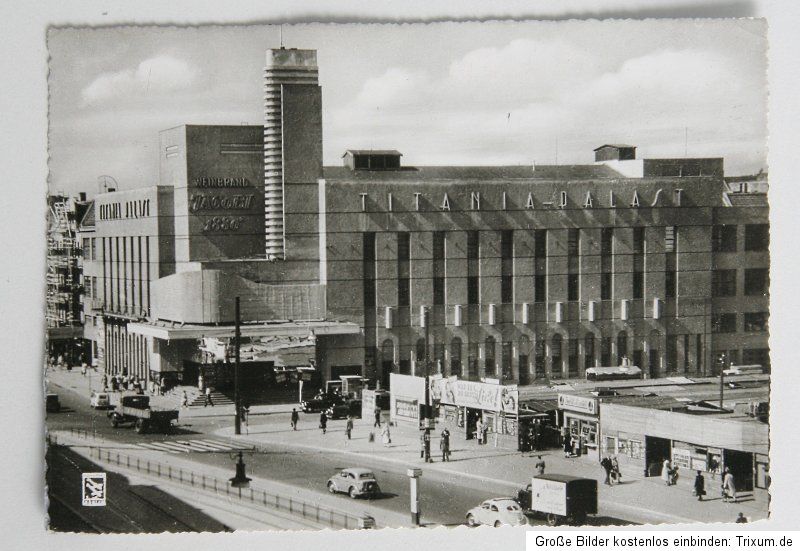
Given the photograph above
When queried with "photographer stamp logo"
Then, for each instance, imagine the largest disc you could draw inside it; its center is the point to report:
(93, 489)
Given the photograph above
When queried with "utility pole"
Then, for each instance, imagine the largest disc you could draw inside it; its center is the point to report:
(236, 400)
(427, 438)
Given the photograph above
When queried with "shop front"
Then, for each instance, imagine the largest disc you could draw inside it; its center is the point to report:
(580, 418)
(465, 407)
(644, 438)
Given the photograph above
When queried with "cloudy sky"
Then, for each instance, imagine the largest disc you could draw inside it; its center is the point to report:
(481, 94)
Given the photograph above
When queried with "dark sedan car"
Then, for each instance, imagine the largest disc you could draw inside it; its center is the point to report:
(320, 403)
(344, 409)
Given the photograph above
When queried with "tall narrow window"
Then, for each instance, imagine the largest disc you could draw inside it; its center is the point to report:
(455, 356)
(507, 266)
(368, 274)
(671, 261)
(638, 262)
(540, 265)
(606, 264)
(723, 238)
(473, 267)
(403, 261)
(438, 268)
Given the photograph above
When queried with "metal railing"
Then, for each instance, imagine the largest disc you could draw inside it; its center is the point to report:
(253, 496)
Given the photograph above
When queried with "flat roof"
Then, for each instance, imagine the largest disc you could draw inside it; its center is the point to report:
(173, 331)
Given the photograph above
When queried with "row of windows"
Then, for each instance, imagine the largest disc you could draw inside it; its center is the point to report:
(89, 246)
(724, 282)
(724, 238)
(728, 322)
(756, 282)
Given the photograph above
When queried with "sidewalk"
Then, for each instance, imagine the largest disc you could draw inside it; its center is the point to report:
(639, 499)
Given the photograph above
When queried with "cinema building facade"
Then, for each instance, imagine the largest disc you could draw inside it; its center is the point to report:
(524, 274)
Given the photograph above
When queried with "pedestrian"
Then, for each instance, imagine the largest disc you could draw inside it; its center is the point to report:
(200, 383)
(105, 382)
(666, 472)
(295, 418)
(208, 399)
(539, 466)
(606, 464)
(485, 427)
(616, 474)
(184, 400)
(479, 431)
(162, 386)
(673, 476)
(348, 428)
(699, 486)
(83, 369)
(728, 486)
(713, 467)
(444, 445)
(741, 519)
(386, 437)
(323, 422)
(426, 440)
(422, 445)
(567, 445)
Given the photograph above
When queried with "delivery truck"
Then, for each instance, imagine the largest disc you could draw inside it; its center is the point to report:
(561, 499)
(136, 410)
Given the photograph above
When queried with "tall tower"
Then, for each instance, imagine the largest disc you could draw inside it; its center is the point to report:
(292, 144)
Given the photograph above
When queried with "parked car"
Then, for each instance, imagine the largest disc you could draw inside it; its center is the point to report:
(498, 511)
(319, 403)
(355, 482)
(100, 400)
(52, 404)
(343, 409)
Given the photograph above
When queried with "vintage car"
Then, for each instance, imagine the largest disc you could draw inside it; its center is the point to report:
(355, 482)
(498, 511)
(100, 400)
(344, 409)
(320, 402)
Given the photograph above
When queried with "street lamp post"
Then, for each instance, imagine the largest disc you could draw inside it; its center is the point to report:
(236, 400)
(427, 409)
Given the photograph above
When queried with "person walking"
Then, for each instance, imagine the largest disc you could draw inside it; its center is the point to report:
(323, 422)
(713, 467)
(348, 428)
(741, 519)
(208, 399)
(377, 422)
(606, 464)
(539, 466)
(200, 383)
(295, 418)
(184, 400)
(426, 445)
(666, 472)
(699, 486)
(616, 474)
(386, 437)
(728, 486)
(444, 445)
(567, 445)
(162, 386)
(479, 431)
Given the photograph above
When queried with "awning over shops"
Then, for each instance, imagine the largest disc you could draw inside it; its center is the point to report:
(169, 331)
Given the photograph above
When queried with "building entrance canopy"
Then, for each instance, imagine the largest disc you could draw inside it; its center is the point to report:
(167, 331)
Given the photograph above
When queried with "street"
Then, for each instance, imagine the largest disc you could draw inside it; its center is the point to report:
(444, 499)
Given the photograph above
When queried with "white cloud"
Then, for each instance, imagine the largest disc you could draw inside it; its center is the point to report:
(155, 75)
(509, 104)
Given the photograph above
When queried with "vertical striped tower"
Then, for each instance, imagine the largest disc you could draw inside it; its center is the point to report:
(284, 67)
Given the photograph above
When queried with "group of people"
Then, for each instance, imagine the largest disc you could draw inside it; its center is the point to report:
(610, 465)
(572, 446)
(727, 484)
(444, 445)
